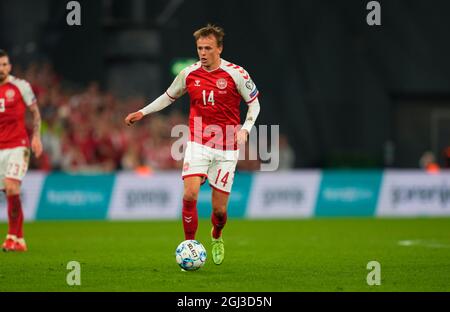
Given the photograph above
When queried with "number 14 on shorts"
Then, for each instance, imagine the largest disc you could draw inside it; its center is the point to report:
(224, 178)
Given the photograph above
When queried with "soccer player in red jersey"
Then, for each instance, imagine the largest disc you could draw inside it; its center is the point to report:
(15, 96)
(215, 88)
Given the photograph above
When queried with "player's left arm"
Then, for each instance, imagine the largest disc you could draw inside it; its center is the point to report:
(30, 100)
(36, 144)
(252, 114)
(247, 89)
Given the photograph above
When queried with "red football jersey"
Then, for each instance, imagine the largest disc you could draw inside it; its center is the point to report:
(215, 97)
(15, 95)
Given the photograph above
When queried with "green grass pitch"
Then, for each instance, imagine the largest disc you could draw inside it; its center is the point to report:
(276, 255)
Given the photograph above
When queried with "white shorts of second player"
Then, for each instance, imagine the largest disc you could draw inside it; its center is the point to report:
(13, 164)
(216, 165)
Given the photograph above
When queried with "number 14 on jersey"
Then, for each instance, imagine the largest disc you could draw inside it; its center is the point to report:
(210, 97)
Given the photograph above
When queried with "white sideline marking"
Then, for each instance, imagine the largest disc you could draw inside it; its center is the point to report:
(423, 243)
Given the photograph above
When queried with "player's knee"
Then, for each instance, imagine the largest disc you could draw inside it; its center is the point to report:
(190, 194)
(12, 189)
(219, 211)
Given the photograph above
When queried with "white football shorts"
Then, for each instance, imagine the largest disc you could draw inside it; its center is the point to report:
(13, 163)
(216, 165)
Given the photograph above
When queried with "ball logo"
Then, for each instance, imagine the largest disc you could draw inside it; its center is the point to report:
(10, 93)
(193, 251)
(221, 83)
(190, 255)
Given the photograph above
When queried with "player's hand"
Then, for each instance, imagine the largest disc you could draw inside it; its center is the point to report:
(242, 136)
(133, 117)
(36, 146)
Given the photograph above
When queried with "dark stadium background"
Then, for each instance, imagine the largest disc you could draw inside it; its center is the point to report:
(345, 94)
(364, 117)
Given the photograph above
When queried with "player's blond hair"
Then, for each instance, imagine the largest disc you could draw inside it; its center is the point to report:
(208, 30)
(3, 53)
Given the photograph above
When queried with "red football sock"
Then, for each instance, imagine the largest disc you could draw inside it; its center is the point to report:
(20, 223)
(190, 218)
(218, 224)
(14, 214)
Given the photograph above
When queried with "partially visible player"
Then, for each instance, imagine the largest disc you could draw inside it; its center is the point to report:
(215, 88)
(15, 96)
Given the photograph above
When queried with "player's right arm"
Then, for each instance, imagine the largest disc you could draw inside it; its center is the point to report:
(160, 103)
(176, 90)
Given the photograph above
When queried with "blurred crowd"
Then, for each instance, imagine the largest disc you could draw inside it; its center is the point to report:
(83, 129)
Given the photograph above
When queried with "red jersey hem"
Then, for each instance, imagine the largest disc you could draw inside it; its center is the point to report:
(235, 147)
(13, 145)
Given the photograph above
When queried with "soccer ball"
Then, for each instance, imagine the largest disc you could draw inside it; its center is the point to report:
(190, 255)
